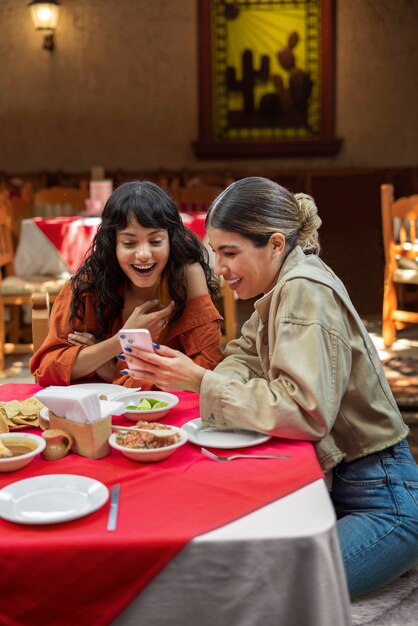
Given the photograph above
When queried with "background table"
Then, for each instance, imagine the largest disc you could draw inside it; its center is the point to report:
(54, 246)
(57, 246)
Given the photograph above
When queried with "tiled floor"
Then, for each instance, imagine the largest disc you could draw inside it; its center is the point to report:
(16, 370)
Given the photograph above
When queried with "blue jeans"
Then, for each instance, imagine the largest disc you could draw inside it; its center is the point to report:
(376, 501)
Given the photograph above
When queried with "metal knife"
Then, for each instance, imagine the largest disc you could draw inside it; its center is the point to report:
(114, 505)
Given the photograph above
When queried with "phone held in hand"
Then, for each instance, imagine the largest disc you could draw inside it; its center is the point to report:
(137, 337)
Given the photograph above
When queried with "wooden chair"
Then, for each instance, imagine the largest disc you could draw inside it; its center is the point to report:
(197, 197)
(400, 295)
(16, 291)
(57, 201)
(21, 209)
(40, 318)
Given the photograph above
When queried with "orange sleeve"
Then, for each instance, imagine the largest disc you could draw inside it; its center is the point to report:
(53, 362)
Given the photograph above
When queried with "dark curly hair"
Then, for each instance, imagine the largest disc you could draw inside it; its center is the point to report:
(146, 203)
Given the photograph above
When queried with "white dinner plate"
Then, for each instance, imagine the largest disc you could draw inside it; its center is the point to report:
(214, 438)
(112, 392)
(51, 499)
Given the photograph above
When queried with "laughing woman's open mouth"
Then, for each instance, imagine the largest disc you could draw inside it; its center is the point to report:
(144, 270)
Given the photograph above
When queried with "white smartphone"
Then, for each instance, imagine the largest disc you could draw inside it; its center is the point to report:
(138, 337)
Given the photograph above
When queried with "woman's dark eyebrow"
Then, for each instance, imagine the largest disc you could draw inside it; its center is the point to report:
(229, 245)
(127, 233)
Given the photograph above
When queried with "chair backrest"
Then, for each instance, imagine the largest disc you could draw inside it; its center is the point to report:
(56, 201)
(399, 219)
(6, 239)
(40, 318)
(21, 209)
(399, 225)
(198, 197)
(6, 262)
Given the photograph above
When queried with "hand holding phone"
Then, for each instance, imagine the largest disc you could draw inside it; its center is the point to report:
(137, 337)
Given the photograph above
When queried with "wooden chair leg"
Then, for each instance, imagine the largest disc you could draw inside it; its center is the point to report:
(14, 324)
(390, 303)
(40, 318)
(2, 337)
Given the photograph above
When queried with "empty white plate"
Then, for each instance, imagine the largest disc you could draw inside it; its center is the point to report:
(215, 438)
(112, 392)
(51, 499)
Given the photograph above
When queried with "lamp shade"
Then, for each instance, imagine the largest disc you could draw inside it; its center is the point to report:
(45, 14)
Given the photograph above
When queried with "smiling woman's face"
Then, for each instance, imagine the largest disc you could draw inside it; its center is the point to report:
(142, 254)
(249, 271)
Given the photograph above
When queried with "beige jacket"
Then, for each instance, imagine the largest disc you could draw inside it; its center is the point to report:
(305, 368)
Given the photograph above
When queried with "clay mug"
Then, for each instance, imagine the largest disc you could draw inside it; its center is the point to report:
(58, 444)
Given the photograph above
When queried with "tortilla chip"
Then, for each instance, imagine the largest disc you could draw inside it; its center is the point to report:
(11, 408)
(14, 413)
(4, 428)
(31, 406)
(25, 420)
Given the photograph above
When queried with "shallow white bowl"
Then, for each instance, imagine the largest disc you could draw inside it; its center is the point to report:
(152, 455)
(11, 464)
(152, 414)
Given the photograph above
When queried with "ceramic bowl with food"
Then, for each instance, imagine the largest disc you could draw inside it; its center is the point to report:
(148, 405)
(146, 448)
(24, 448)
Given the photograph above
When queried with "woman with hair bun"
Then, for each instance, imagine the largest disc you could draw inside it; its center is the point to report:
(305, 368)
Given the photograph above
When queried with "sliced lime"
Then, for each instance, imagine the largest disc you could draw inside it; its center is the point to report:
(145, 405)
(160, 405)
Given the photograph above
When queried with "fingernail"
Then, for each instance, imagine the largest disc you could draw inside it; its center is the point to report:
(122, 357)
(127, 349)
(156, 345)
(123, 371)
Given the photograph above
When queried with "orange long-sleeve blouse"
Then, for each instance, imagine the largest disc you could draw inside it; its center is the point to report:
(196, 333)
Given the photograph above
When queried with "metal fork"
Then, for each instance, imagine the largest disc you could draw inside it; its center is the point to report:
(215, 457)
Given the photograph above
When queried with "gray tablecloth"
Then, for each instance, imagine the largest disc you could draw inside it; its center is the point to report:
(279, 566)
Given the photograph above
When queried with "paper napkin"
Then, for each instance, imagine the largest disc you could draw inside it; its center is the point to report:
(78, 405)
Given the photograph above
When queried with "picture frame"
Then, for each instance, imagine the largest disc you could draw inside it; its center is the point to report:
(266, 78)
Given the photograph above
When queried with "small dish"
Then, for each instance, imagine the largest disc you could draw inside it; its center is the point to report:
(152, 455)
(17, 442)
(223, 439)
(105, 391)
(149, 415)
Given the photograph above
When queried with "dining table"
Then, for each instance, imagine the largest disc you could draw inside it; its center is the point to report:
(58, 245)
(239, 543)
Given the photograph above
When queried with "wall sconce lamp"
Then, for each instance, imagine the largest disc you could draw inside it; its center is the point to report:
(45, 18)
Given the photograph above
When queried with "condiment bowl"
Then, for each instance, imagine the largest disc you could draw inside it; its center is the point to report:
(149, 415)
(18, 442)
(143, 455)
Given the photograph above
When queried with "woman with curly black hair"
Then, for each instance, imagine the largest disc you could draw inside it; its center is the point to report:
(145, 269)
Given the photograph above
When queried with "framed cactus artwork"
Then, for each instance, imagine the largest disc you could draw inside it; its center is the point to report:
(266, 78)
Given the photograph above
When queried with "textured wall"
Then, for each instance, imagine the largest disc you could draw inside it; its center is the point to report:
(121, 88)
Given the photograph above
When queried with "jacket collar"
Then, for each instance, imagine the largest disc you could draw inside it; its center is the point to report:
(262, 305)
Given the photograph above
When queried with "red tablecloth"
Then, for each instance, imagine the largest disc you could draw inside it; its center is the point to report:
(71, 236)
(79, 573)
(196, 222)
